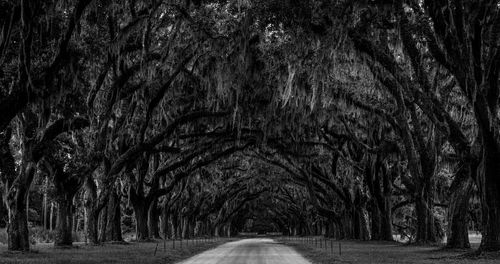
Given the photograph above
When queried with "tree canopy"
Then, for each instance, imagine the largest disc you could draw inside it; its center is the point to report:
(350, 119)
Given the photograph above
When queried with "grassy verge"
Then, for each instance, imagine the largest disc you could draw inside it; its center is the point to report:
(379, 252)
(111, 253)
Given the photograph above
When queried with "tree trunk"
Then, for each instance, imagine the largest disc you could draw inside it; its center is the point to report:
(153, 221)
(461, 190)
(340, 230)
(92, 217)
(381, 212)
(173, 224)
(197, 229)
(386, 222)
(385, 205)
(103, 221)
(17, 229)
(51, 216)
(364, 233)
(45, 203)
(228, 230)
(164, 227)
(216, 232)
(330, 228)
(426, 232)
(114, 227)
(14, 210)
(92, 228)
(64, 223)
(489, 185)
(184, 228)
(141, 222)
(376, 223)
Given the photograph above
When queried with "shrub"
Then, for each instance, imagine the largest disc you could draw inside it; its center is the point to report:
(3, 236)
(41, 235)
(79, 236)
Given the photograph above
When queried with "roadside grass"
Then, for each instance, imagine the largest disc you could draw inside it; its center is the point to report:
(138, 252)
(361, 252)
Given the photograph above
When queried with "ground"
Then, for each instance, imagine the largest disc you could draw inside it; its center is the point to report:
(361, 252)
(110, 253)
(317, 251)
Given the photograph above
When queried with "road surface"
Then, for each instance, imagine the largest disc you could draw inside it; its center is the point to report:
(249, 251)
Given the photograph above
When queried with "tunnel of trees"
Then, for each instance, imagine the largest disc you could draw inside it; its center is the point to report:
(351, 119)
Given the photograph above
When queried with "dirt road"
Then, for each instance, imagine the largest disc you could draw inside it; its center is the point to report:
(249, 251)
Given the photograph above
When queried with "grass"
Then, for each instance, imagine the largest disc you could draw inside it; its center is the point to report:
(110, 253)
(382, 252)
(352, 252)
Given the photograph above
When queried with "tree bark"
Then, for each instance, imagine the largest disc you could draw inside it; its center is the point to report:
(51, 217)
(426, 232)
(379, 184)
(461, 190)
(17, 229)
(423, 195)
(92, 226)
(103, 224)
(64, 223)
(141, 222)
(185, 226)
(165, 224)
(385, 205)
(173, 226)
(489, 185)
(362, 224)
(114, 227)
(386, 221)
(8, 170)
(376, 223)
(153, 217)
(92, 217)
(45, 207)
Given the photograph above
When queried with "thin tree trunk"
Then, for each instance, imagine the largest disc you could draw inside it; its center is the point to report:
(51, 217)
(103, 221)
(45, 203)
(76, 221)
(216, 232)
(184, 227)
(173, 224)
